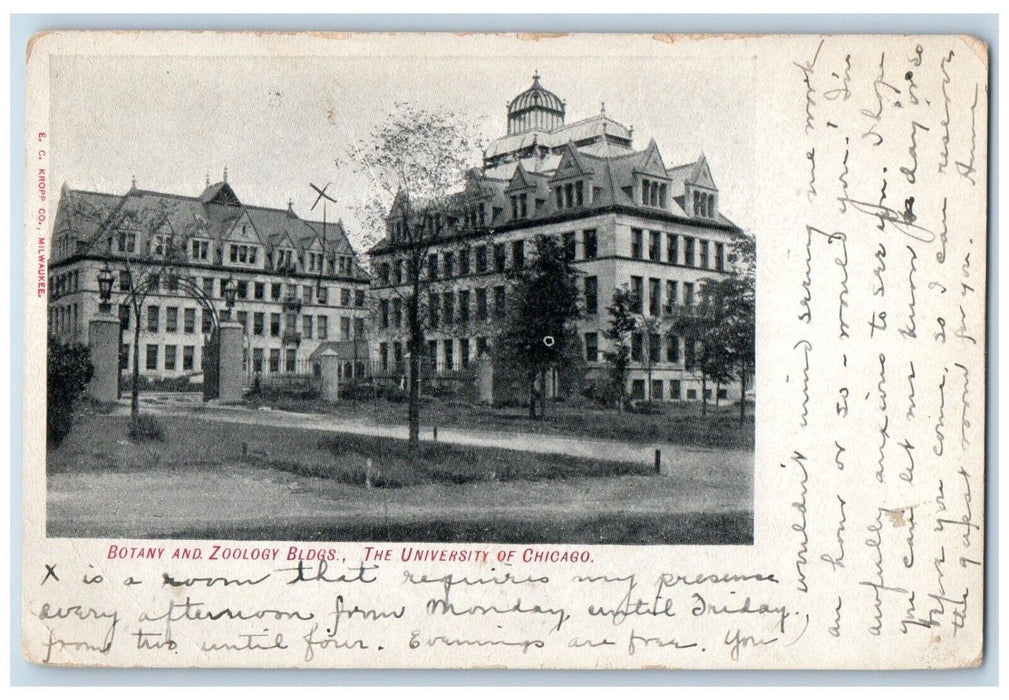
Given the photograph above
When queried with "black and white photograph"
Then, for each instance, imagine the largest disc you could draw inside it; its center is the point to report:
(504, 299)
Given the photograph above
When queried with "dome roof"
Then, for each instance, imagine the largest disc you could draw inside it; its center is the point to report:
(536, 97)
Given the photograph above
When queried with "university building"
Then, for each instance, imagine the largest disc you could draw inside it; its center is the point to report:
(297, 283)
(625, 218)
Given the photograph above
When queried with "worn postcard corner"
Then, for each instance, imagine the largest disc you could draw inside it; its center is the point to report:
(504, 351)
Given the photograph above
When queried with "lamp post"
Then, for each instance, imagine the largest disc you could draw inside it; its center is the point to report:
(230, 288)
(105, 289)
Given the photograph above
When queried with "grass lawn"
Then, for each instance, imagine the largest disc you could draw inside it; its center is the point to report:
(670, 423)
(207, 479)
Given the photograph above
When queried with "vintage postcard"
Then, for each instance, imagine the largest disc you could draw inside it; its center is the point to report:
(504, 351)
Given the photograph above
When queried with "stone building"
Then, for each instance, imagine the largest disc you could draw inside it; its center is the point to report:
(297, 282)
(625, 217)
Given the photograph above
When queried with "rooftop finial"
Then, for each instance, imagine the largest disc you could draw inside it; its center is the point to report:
(225, 173)
(602, 108)
(536, 76)
(208, 179)
(134, 186)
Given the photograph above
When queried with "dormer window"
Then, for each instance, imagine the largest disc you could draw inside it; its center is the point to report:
(244, 254)
(653, 193)
(570, 195)
(704, 204)
(475, 217)
(127, 242)
(520, 206)
(200, 250)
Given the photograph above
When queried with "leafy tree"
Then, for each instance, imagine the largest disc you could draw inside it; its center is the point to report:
(416, 163)
(720, 328)
(69, 370)
(539, 334)
(623, 322)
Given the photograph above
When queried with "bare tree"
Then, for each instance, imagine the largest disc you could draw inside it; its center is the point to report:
(416, 162)
(145, 248)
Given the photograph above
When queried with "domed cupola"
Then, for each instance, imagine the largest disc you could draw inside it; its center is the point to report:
(536, 108)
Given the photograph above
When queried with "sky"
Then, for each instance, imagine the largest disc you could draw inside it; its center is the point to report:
(280, 122)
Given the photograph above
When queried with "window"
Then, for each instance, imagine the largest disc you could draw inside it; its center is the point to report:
(703, 245)
(124, 281)
(358, 297)
(568, 240)
(448, 307)
(243, 318)
(170, 357)
(345, 327)
(675, 390)
(689, 352)
(481, 258)
(653, 194)
(655, 245)
(656, 390)
(257, 360)
(482, 347)
(306, 326)
(358, 327)
(720, 257)
(433, 305)
(124, 357)
(208, 321)
(259, 290)
(432, 266)
(688, 293)
(383, 312)
(638, 292)
(200, 250)
(276, 289)
(591, 295)
(124, 316)
(481, 304)
(397, 355)
(171, 320)
(464, 353)
(464, 256)
(499, 301)
(449, 355)
(688, 251)
(654, 296)
(589, 244)
(208, 286)
(152, 357)
(152, 319)
(654, 347)
(704, 204)
(383, 273)
(432, 350)
(397, 312)
(636, 234)
(274, 325)
(324, 295)
(499, 257)
(448, 264)
(345, 296)
(188, 354)
(671, 300)
(570, 194)
(638, 389)
(464, 306)
(189, 320)
(520, 206)
(518, 254)
(274, 360)
(637, 347)
(290, 358)
(383, 356)
(322, 325)
(673, 248)
(672, 348)
(257, 323)
(591, 347)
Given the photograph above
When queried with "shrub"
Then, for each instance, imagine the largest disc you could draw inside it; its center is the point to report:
(69, 370)
(148, 428)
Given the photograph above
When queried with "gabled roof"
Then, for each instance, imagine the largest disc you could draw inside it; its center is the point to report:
(220, 193)
(573, 164)
(521, 180)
